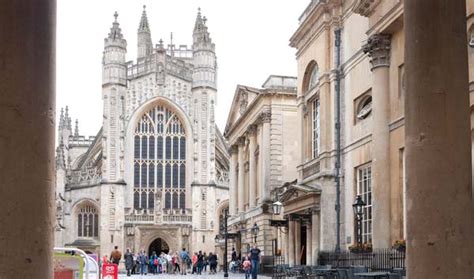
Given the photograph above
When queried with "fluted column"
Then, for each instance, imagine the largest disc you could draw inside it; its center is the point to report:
(252, 166)
(241, 176)
(315, 228)
(378, 49)
(309, 242)
(233, 180)
(265, 148)
(291, 242)
(27, 118)
(437, 141)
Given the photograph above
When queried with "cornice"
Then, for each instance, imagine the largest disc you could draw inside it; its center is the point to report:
(365, 7)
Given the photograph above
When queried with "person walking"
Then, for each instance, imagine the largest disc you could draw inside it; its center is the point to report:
(247, 266)
(184, 260)
(115, 256)
(194, 262)
(128, 262)
(212, 263)
(200, 262)
(142, 260)
(255, 260)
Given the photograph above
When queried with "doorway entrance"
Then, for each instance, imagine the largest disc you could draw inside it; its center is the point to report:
(158, 246)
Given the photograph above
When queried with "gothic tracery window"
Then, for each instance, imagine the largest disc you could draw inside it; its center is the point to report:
(87, 222)
(159, 159)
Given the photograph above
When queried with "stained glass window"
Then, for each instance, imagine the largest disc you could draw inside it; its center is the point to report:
(159, 159)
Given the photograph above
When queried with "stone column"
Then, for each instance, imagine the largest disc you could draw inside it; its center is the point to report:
(265, 148)
(252, 166)
(241, 176)
(309, 242)
(233, 181)
(378, 49)
(437, 140)
(291, 242)
(298, 242)
(315, 227)
(27, 117)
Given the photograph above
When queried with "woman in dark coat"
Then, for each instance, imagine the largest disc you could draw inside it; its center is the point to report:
(128, 262)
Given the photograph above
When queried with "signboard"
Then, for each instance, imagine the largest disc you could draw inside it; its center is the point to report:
(109, 271)
(67, 266)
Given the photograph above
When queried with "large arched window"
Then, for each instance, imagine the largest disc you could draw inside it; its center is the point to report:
(159, 160)
(87, 221)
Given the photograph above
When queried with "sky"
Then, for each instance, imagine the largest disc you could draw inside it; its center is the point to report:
(251, 37)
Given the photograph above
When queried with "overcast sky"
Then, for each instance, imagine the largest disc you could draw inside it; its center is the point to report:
(251, 38)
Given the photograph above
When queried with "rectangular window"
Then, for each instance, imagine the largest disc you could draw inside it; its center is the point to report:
(364, 189)
(316, 128)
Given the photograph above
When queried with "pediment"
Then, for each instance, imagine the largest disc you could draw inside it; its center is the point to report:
(292, 190)
(243, 97)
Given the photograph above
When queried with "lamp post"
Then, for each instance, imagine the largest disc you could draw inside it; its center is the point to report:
(255, 230)
(226, 215)
(358, 207)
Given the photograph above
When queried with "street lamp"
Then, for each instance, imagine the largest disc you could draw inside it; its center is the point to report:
(226, 215)
(358, 207)
(276, 206)
(255, 230)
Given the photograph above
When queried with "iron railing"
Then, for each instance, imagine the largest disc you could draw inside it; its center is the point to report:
(377, 260)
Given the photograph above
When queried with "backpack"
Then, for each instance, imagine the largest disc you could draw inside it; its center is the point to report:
(155, 262)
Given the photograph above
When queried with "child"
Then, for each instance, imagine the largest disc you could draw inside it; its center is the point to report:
(247, 266)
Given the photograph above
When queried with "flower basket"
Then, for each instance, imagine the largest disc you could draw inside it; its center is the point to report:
(399, 245)
(363, 248)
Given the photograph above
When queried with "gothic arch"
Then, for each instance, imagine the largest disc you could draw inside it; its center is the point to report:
(172, 241)
(310, 77)
(219, 209)
(129, 144)
(86, 210)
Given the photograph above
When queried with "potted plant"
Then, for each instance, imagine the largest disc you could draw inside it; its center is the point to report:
(363, 248)
(399, 245)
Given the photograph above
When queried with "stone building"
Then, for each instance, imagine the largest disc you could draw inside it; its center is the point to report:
(262, 133)
(352, 51)
(154, 174)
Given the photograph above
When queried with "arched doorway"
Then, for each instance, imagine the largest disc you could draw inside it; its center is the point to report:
(158, 245)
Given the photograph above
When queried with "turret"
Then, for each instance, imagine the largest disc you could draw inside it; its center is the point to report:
(204, 56)
(114, 69)
(144, 43)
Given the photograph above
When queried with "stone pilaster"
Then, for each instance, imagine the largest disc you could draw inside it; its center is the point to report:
(241, 176)
(265, 119)
(252, 166)
(309, 241)
(297, 242)
(437, 141)
(233, 180)
(378, 49)
(291, 242)
(315, 228)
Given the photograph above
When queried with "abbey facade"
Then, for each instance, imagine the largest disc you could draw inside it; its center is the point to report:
(157, 171)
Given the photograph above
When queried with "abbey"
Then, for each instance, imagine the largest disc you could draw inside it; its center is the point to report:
(157, 171)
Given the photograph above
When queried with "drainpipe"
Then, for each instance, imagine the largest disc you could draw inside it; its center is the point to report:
(337, 43)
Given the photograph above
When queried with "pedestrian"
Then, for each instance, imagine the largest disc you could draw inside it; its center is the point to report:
(194, 262)
(234, 255)
(115, 256)
(153, 262)
(184, 259)
(128, 262)
(200, 262)
(247, 266)
(212, 263)
(255, 260)
(143, 259)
